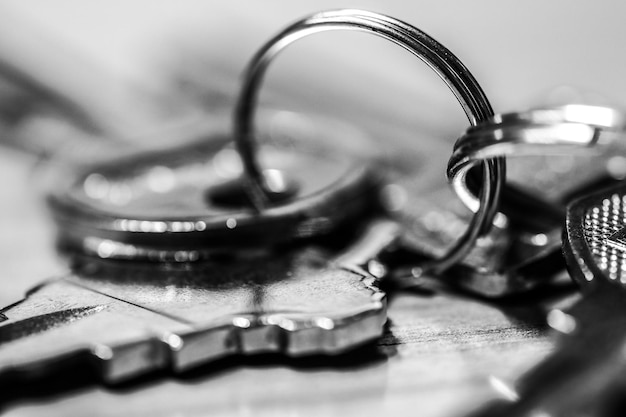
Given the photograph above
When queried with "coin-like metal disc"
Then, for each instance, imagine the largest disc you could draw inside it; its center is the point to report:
(162, 206)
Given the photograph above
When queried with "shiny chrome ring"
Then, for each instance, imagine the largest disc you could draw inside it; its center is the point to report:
(555, 130)
(449, 68)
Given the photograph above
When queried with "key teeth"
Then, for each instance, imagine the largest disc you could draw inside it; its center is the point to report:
(179, 349)
(282, 333)
(294, 335)
(279, 333)
(182, 352)
(124, 362)
(243, 335)
(246, 335)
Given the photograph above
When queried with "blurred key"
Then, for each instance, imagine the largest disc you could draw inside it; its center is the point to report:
(585, 375)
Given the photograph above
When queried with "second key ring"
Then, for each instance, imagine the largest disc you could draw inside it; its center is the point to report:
(449, 68)
(557, 130)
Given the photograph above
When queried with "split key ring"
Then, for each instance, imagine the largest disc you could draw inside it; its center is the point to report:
(449, 68)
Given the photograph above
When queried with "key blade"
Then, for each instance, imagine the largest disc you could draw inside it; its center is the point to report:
(297, 302)
(128, 319)
(499, 265)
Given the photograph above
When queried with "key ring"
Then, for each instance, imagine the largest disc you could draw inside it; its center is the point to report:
(449, 68)
(550, 130)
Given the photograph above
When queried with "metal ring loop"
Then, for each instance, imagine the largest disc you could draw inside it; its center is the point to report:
(449, 68)
(535, 132)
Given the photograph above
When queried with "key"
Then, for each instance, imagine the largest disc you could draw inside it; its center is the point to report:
(126, 319)
(430, 223)
(586, 373)
(432, 219)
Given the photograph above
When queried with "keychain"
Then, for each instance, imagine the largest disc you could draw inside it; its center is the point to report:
(174, 208)
(535, 223)
(571, 129)
(198, 264)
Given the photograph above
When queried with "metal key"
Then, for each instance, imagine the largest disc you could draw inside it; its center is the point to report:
(585, 375)
(127, 319)
(432, 218)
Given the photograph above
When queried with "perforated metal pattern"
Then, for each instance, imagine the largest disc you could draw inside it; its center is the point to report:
(605, 233)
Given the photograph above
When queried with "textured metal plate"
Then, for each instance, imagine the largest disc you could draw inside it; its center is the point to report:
(159, 205)
(593, 242)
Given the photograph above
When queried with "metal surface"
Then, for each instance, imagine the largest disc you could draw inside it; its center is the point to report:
(436, 56)
(592, 242)
(127, 319)
(501, 264)
(180, 205)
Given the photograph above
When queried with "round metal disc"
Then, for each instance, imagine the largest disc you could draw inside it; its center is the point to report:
(169, 206)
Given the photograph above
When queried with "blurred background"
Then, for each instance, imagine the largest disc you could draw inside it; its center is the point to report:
(130, 65)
